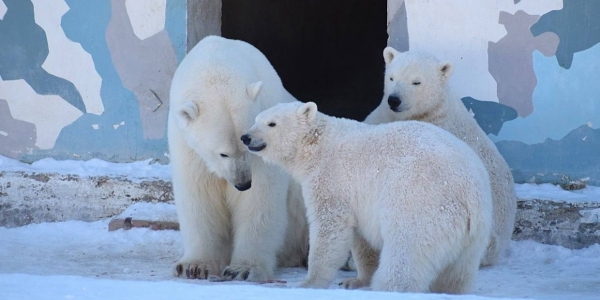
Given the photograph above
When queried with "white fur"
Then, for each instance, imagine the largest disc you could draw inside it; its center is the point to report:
(431, 102)
(410, 190)
(217, 91)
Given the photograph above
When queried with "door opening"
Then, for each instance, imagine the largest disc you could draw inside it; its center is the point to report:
(328, 52)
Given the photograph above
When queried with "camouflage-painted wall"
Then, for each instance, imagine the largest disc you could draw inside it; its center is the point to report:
(84, 79)
(528, 70)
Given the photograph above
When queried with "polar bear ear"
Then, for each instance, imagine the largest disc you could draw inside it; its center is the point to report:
(446, 70)
(388, 54)
(188, 111)
(253, 89)
(308, 110)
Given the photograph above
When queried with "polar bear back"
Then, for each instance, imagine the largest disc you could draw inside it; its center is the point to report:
(219, 61)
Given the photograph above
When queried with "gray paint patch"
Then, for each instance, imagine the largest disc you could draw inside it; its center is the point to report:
(511, 60)
(146, 67)
(575, 155)
(398, 30)
(16, 136)
(23, 50)
(489, 115)
(577, 25)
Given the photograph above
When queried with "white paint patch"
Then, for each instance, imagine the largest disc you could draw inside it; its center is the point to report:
(3, 9)
(49, 113)
(147, 17)
(459, 32)
(119, 125)
(95, 126)
(3, 133)
(67, 59)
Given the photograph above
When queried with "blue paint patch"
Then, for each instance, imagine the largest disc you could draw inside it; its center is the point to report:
(575, 155)
(23, 50)
(86, 23)
(176, 26)
(577, 25)
(489, 115)
(562, 100)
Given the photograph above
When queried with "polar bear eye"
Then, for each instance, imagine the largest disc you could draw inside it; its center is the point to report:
(391, 78)
(416, 82)
(272, 124)
(224, 155)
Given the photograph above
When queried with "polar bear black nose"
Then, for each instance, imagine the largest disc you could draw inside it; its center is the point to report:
(246, 139)
(243, 186)
(394, 102)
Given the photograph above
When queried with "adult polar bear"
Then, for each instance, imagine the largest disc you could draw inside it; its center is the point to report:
(415, 88)
(410, 189)
(231, 205)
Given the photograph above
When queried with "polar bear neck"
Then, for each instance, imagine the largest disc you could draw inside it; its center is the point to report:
(313, 145)
(436, 114)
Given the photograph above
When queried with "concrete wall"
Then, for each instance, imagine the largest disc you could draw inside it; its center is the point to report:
(527, 69)
(84, 79)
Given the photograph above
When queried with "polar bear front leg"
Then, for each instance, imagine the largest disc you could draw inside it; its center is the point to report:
(330, 240)
(259, 225)
(203, 222)
(366, 259)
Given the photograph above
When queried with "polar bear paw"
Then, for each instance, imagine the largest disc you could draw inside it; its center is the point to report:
(353, 283)
(196, 269)
(245, 272)
(310, 283)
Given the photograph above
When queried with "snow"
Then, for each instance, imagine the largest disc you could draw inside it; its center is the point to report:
(81, 260)
(93, 167)
(549, 191)
(163, 212)
(147, 169)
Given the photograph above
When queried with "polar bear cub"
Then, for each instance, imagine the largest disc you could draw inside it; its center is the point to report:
(415, 88)
(237, 214)
(410, 190)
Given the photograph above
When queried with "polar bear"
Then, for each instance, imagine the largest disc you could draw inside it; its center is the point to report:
(410, 190)
(415, 88)
(233, 208)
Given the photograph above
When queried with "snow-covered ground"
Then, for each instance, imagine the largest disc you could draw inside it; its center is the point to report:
(79, 260)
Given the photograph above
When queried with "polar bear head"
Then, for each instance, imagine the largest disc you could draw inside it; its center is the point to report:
(211, 122)
(281, 131)
(415, 83)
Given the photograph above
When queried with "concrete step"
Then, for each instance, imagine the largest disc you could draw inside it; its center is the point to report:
(573, 222)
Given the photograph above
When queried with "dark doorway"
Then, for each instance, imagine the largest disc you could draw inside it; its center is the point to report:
(326, 51)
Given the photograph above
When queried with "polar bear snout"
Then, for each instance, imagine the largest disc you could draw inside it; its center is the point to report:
(254, 147)
(394, 102)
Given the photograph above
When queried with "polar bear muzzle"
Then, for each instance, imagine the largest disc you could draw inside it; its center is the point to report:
(394, 102)
(254, 147)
